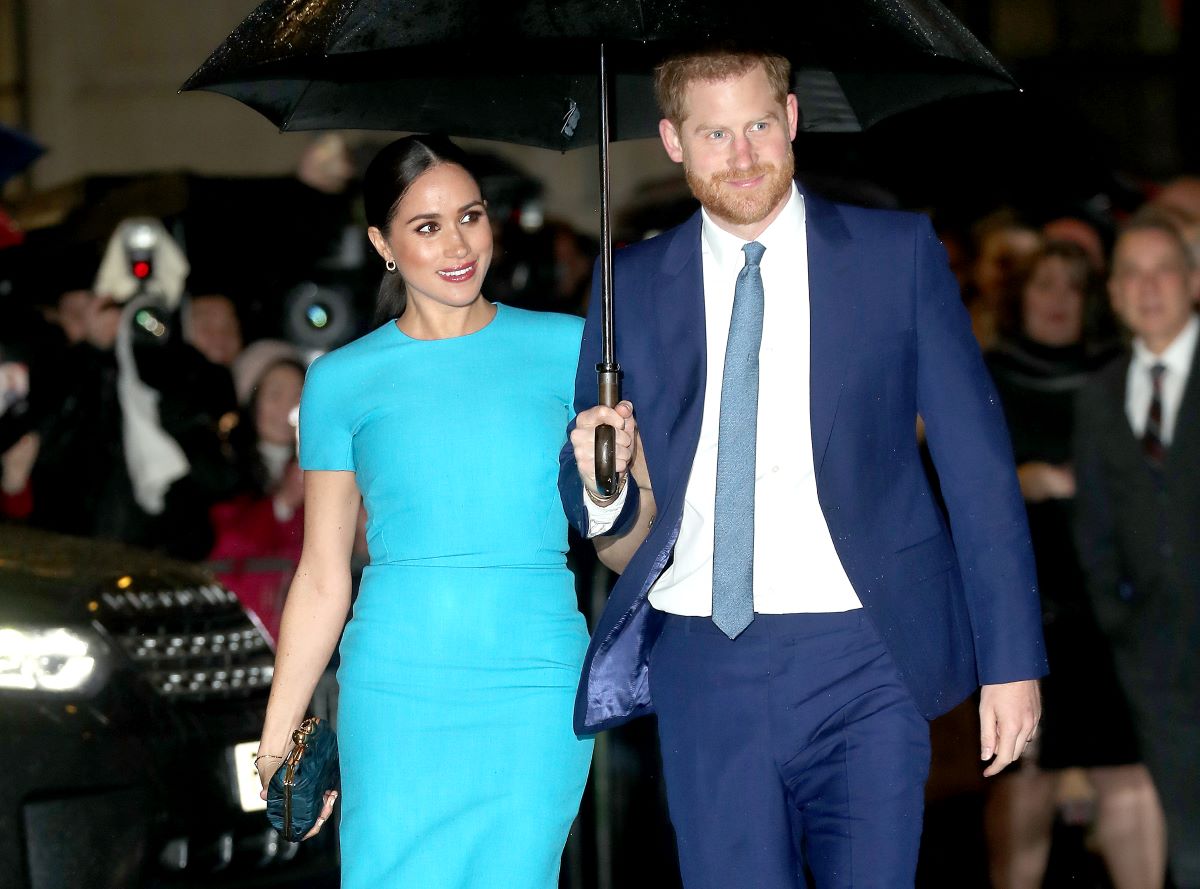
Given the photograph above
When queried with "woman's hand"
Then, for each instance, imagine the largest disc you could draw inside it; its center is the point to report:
(18, 463)
(1045, 481)
(268, 766)
(326, 813)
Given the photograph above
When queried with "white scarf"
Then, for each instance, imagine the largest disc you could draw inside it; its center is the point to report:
(154, 459)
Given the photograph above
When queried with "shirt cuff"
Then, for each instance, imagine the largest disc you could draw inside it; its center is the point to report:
(602, 518)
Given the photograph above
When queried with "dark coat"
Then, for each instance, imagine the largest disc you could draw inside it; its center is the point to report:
(1138, 530)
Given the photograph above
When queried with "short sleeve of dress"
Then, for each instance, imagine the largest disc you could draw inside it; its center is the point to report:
(570, 336)
(326, 421)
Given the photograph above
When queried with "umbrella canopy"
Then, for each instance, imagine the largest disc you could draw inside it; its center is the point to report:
(525, 71)
(539, 72)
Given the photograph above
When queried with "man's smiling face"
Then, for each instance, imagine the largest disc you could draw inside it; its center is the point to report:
(735, 144)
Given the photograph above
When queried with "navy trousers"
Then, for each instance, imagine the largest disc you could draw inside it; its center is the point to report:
(793, 747)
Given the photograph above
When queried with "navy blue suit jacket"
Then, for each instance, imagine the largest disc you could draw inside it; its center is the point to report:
(956, 605)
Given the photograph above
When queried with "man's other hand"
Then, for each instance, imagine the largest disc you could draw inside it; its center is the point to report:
(1008, 717)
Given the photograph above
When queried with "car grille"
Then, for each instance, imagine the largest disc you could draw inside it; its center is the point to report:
(193, 642)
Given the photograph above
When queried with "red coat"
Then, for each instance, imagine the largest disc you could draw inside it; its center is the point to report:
(17, 506)
(255, 554)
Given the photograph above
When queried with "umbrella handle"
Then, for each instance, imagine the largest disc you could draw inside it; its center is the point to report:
(609, 384)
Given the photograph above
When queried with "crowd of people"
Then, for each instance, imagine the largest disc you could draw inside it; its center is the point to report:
(230, 410)
(1088, 327)
(1089, 333)
(231, 405)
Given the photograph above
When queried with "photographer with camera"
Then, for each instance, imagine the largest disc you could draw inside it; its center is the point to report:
(129, 438)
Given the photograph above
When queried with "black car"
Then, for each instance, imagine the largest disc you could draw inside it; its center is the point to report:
(132, 690)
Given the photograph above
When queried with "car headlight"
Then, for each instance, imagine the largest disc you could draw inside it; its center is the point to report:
(57, 659)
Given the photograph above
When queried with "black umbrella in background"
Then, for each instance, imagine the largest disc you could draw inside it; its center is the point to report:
(548, 73)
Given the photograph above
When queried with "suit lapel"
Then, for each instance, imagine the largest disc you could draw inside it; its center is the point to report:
(834, 309)
(1126, 449)
(678, 294)
(1186, 437)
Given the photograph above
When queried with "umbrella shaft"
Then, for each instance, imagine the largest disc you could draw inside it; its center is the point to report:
(607, 371)
(606, 291)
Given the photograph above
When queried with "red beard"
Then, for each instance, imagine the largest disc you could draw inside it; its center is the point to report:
(743, 208)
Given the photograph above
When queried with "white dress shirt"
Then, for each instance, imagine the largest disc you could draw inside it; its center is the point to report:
(1139, 386)
(796, 568)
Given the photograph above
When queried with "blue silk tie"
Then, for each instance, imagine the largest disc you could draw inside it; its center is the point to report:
(733, 518)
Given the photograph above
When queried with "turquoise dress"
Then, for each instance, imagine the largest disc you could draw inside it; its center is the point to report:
(460, 769)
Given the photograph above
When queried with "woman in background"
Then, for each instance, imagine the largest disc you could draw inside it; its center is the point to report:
(259, 532)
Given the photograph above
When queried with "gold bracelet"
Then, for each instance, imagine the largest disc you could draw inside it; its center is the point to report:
(611, 498)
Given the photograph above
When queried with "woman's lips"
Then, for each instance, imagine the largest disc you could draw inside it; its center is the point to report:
(458, 274)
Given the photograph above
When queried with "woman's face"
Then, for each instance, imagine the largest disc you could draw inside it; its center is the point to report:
(439, 238)
(1000, 254)
(278, 397)
(1052, 304)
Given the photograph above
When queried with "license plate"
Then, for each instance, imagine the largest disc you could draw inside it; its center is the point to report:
(246, 777)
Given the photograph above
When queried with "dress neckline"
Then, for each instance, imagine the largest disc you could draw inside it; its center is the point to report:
(500, 308)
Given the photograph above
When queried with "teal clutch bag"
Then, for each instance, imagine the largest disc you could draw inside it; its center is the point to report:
(297, 790)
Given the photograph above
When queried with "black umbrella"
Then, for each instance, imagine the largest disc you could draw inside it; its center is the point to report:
(536, 72)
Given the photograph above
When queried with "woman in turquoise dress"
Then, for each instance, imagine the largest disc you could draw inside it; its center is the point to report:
(459, 664)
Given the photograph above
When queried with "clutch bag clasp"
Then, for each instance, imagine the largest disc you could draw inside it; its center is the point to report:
(290, 765)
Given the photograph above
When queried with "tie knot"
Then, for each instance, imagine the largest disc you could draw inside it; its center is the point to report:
(1156, 372)
(754, 252)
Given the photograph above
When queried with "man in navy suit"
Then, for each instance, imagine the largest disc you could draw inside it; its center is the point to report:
(791, 602)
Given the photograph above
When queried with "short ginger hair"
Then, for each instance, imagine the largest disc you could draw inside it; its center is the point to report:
(676, 74)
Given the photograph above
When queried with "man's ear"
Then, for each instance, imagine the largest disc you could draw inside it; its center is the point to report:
(670, 140)
(793, 116)
(1194, 285)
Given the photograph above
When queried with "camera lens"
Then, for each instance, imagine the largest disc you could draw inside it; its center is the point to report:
(317, 315)
(149, 321)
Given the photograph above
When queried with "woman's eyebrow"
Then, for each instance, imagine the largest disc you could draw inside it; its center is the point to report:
(466, 206)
